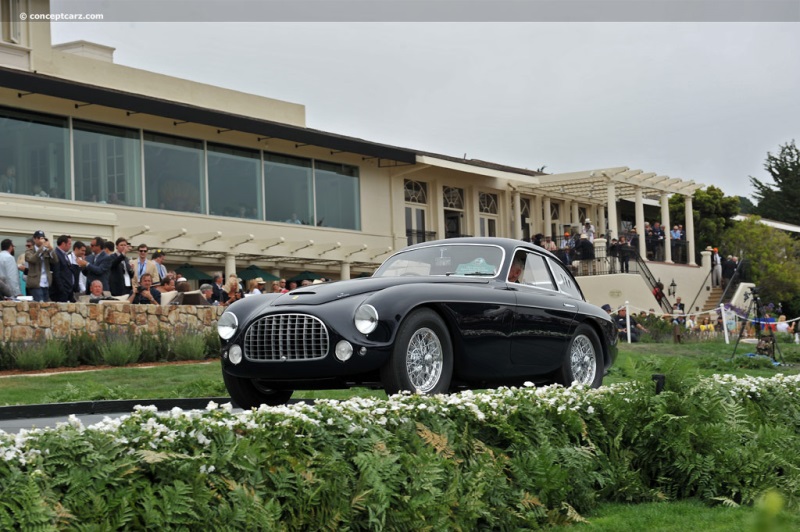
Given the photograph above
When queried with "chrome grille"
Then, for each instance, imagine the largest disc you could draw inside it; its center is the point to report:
(286, 337)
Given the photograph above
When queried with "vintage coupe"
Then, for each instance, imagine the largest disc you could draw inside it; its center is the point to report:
(436, 316)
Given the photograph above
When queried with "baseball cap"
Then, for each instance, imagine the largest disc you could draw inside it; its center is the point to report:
(39, 234)
(606, 307)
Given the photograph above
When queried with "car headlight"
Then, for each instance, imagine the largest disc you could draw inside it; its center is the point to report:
(227, 325)
(366, 319)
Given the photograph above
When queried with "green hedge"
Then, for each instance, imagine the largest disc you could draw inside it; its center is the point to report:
(506, 459)
(110, 348)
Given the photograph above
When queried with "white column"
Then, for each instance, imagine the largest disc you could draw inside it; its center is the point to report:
(602, 225)
(612, 210)
(690, 231)
(516, 220)
(536, 213)
(575, 216)
(666, 225)
(548, 220)
(230, 265)
(640, 223)
(344, 271)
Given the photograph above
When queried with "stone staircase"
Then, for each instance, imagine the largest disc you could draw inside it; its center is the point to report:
(712, 301)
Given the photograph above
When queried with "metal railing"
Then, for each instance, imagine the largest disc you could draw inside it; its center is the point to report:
(417, 237)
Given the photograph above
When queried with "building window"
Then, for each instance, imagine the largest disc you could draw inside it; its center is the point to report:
(555, 211)
(234, 182)
(174, 173)
(488, 203)
(453, 198)
(525, 217)
(34, 154)
(416, 211)
(415, 192)
(581, 213)
(11, 25)
(288, 189)
(488, 208)
(337, 193)
(107, 164)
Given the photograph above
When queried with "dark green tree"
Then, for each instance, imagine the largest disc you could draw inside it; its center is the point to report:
(772, 257)
(713, 213)
(779, 200)
(746, 206)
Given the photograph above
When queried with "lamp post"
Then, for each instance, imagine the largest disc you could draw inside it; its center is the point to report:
(673, 288)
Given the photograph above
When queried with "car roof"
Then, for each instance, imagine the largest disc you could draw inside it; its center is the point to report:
(508, 244)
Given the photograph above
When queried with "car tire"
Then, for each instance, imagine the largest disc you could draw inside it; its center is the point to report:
(583, 361)
(247, 394)
(422, 356)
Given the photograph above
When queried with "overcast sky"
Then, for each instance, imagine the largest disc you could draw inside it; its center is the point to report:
(699, 101)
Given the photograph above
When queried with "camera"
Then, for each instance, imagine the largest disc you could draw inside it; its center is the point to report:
(141, 289)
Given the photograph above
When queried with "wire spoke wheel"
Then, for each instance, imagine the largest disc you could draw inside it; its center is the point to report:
(424, 360)
(583, 360)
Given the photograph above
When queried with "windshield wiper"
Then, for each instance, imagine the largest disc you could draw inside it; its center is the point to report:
(481, 274)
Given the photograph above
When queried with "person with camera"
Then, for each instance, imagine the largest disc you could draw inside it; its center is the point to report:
(145, 294)
(40, 259)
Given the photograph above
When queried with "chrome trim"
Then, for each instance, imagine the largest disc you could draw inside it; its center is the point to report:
(286, 337)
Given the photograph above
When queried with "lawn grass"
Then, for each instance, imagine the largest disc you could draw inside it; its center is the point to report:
(684, 516)
(204, 379)
(151, 382)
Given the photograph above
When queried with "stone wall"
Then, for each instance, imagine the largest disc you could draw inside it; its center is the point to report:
(29, 321)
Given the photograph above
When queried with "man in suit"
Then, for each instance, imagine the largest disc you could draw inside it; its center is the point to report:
(99, 263)
(218, 295)
(63, 273)
(78, 260)
(142, 266)
(120, 278)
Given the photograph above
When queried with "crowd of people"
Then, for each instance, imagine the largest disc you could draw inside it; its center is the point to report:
(66, 272)
(576, 247)
(703, 325)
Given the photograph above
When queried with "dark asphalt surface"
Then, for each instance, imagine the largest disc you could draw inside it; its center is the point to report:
(14, 418)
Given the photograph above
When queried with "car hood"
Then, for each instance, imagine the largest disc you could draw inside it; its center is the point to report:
(323, 293)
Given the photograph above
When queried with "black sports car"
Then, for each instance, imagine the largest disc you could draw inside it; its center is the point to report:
(437, 316)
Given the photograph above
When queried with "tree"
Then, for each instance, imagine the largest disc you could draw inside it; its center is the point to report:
(779, 200)
(746, 206)
(712, 213)
(772, 254)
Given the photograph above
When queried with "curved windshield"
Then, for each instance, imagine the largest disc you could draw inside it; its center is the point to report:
(473, 260)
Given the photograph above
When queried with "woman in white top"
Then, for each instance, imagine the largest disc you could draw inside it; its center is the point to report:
(783, 326)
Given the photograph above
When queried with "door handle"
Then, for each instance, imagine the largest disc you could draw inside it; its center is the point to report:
(569, 305)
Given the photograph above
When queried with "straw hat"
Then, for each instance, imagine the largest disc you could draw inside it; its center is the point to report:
(259, 280)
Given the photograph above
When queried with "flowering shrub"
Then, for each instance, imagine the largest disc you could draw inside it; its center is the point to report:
(502, 459)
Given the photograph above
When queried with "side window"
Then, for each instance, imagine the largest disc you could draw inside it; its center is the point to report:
(564, 280)
(536, 273)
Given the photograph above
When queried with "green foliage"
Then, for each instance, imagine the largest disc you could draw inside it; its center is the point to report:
(508, 459)
(31, 357)
(71, 393)
(118, 351)
(779, 200)
(772, 255)
(712, 213)
(8, 355)
(190, 347)
(202, 388)
(82, 350)
(154, 347)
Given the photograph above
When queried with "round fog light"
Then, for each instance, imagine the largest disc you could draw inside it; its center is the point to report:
(235, 354)
(344, 350)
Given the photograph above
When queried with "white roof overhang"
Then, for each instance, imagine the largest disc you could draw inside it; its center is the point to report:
(591, 186)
